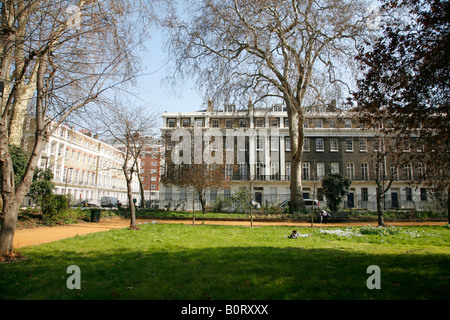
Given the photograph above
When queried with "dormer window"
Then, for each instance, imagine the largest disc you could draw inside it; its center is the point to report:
(171, 123)
(228, 108)
(278, 108)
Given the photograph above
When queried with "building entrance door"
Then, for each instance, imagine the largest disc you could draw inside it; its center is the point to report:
(351, 200)
(394, 199)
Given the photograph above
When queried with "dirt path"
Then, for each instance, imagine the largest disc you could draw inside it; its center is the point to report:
(31, 237)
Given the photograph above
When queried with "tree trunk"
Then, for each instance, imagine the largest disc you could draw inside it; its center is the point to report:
(12, 195)
(448, 204)
(379, 208)
(193, 208)
(132, 206)
(202, 202)
(8, 224)
(128, 178)
(296, 135)
(141, 187)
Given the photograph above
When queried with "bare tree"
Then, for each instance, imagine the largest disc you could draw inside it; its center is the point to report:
(129, 127)
(57, 56)
(270, 50)
(199, 177)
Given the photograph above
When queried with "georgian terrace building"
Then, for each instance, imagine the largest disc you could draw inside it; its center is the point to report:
(83, 166)
(333, 139)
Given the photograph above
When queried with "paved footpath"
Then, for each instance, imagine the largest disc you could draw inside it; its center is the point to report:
(41, 235)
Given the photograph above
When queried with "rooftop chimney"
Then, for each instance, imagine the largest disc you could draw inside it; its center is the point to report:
(210, 106)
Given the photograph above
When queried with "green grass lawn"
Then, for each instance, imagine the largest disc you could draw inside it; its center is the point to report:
(164, 261)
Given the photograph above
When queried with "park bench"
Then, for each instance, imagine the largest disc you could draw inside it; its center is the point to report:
(339, 216)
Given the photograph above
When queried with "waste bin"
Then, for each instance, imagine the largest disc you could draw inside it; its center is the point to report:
(95, 215)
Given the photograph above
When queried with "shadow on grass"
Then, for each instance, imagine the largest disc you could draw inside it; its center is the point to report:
(261, 273)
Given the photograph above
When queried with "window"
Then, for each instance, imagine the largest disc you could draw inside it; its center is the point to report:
(183, 193)
(334, 144)
(228, 171)
(364, 194)
(332, 123)
(376, 145)
(423, 194)
(186, 123)
(334, 167)
(228, 108)
(259, 170)
(242, 123)
(406, 146)
(154, 163)
(421, 171)
(409, 173)
(363, 145)
(319, 123)
(171, 123)
(243, 171)
(288, 144)
(408, 193)
(286, 122)
(348, 123)
(229, 123)
(306, 170)
(215, 123)
(278, 108)
(305, 123)
(349, 145)
(274, 143)
(213, 194)
(274, 168)
(394, 171)
(364, 171)
(274, 122)
(320, 170)
(319, 144)
(306, 144)
(53, 148)
(259, 123)
(227, 193)
(259, 143)
(199, 123)
(288, 171)
(351, 171)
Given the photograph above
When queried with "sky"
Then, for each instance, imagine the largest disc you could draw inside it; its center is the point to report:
(151, 88)
(152, 92)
